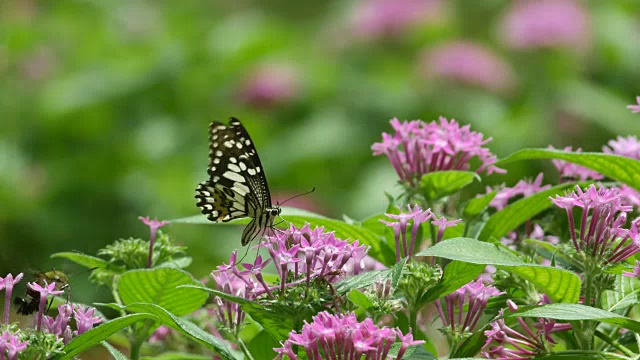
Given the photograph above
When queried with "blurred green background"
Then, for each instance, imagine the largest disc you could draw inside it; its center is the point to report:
(105, 105)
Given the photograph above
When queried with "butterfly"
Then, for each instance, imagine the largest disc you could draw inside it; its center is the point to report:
(237, 187)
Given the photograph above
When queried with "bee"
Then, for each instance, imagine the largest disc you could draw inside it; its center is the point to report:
(29, 304)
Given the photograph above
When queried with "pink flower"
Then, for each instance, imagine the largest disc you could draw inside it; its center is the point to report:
(635, 272)
(374, 19)
(628, 147)
(85, 319)
(546, 24)
(45, 291)
(341, 336)
(473, 296)
(418, 216)
(7, 284)
(524, 187)
(601, 227)
(635, 108)
(270, 85)
(468, 63)
(418, 148)
(571, 171)
(153, 225)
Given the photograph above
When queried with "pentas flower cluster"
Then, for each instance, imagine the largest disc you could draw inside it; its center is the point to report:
(601, 231)
(341, 336)
(571, 171)
(524, 187)
(628, 147)
(416, 216)
(472, 296)
(59, 326)
(299, 256)
(11, 345)
(504, 342)
(418, 148)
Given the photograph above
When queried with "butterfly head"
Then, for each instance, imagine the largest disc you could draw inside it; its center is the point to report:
(274, 211)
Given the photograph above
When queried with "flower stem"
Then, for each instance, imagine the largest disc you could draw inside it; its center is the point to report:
(614, 343)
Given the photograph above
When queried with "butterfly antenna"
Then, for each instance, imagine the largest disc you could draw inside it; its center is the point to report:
(295, 196)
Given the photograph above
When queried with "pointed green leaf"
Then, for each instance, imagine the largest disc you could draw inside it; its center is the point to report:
(436, 185)
(573, 312)
(477, 205)
(455, 275)
(471, 346)
(366, 279)
(359, 299)
(99, 333)
(117, 355)
(560, 285)
(159, 286)
(185, 327)
(262, 345)
(518, 212)
(620, 168)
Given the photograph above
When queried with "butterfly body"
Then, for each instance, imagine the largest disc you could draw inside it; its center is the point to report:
(237, 186)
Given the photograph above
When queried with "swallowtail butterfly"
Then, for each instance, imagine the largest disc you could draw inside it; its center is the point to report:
(237, 186)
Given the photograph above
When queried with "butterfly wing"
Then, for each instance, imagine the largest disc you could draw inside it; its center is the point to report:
(237, 186)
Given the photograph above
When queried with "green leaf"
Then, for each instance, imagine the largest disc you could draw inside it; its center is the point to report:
(87, 261)
(620, 168)
(262, 345)
(413, 353)
(117, 355)
(366, 279)
(477, 205)
(185, 327)
(550, 251)
(581, 355)
(359, 299)
(455, 275)
(99, 333)
(379, 250)
(623, 296)
(471, 346)
(436, 185)
(176, 356)
(160, 286)
(573, 312)
(560, 285)
(277, 321)
(518, 212)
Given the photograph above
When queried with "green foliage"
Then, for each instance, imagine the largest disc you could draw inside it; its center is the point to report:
(560, 285)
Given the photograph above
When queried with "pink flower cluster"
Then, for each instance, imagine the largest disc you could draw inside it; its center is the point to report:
(525, 188)
(472, 296)
(504, 342)
(418, 148)
(11, 346)
(573, 171)
(299, 255)
(339, 336)
(59, 325)
(601, 228)
(417, 216)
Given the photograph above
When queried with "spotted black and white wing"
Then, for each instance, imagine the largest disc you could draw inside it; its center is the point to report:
(237, 186)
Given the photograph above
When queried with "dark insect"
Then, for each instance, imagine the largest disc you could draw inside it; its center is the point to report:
(31, 301)
(237, 187)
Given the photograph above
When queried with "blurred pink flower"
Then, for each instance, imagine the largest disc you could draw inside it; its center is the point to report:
(468, 63)
(270, 85)
(635, 108)
(373, 19)
(624, 146)
(546, 23)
